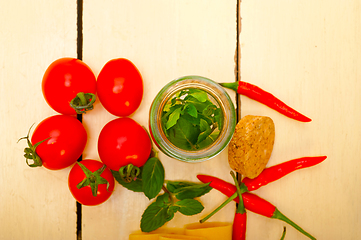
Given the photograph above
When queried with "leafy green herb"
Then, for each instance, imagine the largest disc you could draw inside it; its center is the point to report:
(186, 190)
(136, 185)
(190, 120)
(178, 196)
(189, 207)
(154, 217)
(153, 177)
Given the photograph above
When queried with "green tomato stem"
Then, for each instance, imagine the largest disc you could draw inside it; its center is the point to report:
(83, 102)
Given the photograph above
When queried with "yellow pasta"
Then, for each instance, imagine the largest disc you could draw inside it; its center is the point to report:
(179, 237)
(155, 234)
(210, 230)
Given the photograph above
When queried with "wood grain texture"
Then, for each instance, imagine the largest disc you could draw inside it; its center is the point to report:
(307, 53)
(165, 40)
(35, 203)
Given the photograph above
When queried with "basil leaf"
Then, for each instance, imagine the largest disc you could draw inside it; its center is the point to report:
(154, 217)
(189, 207)
(135, 185)
(191, 191)
(152, 177)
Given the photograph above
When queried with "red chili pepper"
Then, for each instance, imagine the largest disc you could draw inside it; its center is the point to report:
(240, 217)
(251, 202)
(239, 226)
(276, 172)
(266, 98)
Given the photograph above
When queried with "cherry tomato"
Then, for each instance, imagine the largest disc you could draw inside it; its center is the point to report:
(123, 141)
(120, 87)
(104, 186)
(65, 139)
(63, 80)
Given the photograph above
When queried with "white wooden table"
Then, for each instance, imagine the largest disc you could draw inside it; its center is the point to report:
(307, 53)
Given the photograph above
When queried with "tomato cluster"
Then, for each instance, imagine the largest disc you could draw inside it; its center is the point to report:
(70, 88)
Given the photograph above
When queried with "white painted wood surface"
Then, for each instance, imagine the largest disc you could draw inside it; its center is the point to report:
(307, 53)
(34, 203)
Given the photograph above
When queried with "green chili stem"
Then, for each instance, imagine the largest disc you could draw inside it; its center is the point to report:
(230, 199)
(240, 208)
(283, 234)
(278, 215)
(231, 85)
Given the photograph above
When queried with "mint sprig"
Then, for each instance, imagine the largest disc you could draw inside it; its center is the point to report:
(190, 120)
(177, 196)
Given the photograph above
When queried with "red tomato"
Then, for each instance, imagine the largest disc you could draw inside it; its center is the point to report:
(84, 195)
(66, 143)
(63, 80)
(120, 87)
(123, 141)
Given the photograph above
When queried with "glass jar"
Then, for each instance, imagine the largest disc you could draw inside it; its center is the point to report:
(216, 95)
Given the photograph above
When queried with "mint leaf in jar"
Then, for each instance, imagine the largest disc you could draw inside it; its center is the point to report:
(191, 120)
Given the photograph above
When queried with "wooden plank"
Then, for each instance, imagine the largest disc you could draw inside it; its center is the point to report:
(308, 54)
(35, 203)
(165, 40)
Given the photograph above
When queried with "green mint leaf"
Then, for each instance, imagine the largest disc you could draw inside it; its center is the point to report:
(192, 190)
(193, 120)
(209, 110)
(163, 200)
(200, 96)
(184, 134)
(191, 110)
(204, 126)
(218, 116)
(200, 106)
(135, 185)
(173, 118)
(189, 207)
(152, 177)
(154, 217)
(173, 186)
(208, 141)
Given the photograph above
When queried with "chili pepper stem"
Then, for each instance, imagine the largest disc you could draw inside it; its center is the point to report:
(283, 234)
(240, 208)
(230, 199)
(231, 85)
(278, 215)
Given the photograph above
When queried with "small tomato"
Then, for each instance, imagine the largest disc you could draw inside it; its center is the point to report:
(67, 79)
(90, 182)
(124, 143)
(120, 87)
(57, 142)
